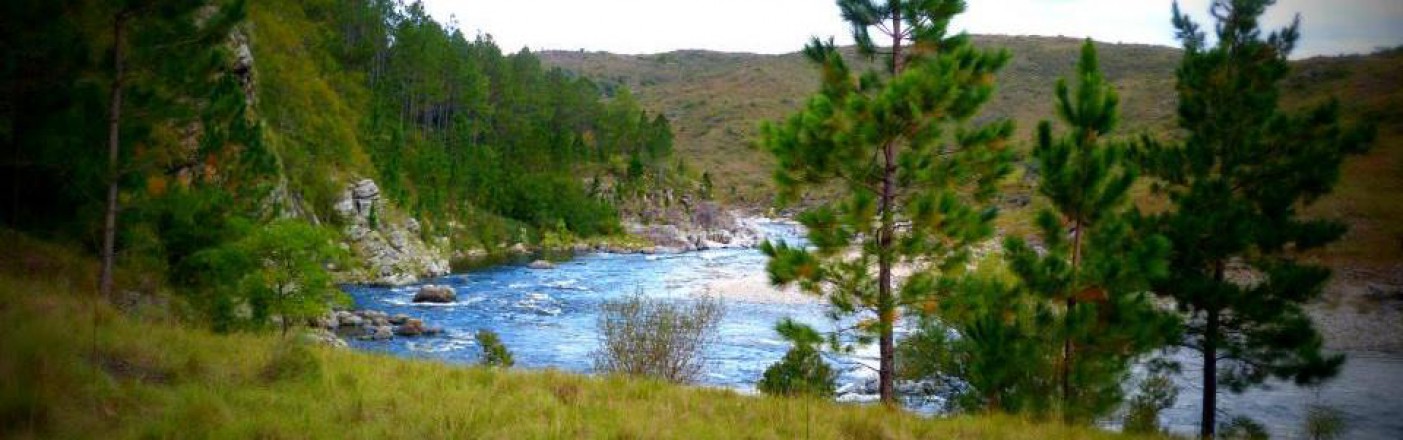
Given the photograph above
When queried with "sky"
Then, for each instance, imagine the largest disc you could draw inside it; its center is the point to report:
(1329, 27)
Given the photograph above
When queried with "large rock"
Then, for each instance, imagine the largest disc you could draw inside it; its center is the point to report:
(435, 294)
(541, 264)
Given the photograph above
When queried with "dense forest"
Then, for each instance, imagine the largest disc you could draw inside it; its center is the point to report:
(222, 116)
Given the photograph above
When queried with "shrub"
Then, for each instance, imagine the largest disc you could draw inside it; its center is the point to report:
(643, 336)
(1324, 423)
(802, 371)
(277, 269)
(1242, 428)
(494, 353)
(1156, 393)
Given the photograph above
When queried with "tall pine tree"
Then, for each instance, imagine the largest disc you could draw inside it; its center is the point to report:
(1095, 269)
(1237, 181)
(913, 170)
(163, 56)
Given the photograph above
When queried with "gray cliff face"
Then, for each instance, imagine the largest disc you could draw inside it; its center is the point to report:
(388, 243)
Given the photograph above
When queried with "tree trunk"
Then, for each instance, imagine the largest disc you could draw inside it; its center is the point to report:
(1210, 376)
(1209, 417)
(114, 118)
(1068, 350)
(886, 304)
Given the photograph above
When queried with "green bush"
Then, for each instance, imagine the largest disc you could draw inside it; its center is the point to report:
(494, 352)
(1156, 393)
(1324, 423)
(1242, 428)
(276, 270)
(802, 371)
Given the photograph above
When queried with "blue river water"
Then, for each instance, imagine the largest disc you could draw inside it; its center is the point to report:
(547, 318)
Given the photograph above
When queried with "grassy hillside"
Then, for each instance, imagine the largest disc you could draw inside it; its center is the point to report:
(717, 100)
(72, 370)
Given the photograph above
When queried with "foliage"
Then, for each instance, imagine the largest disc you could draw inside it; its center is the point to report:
(990, 335)
(1155, 394)
(1324, 423)
(901, 146)
(802, 371)
(182, 125)
(278, 269)
(1237, 182)
(642, 336)
(1243, 428)
(1094, 278)
(494, 352)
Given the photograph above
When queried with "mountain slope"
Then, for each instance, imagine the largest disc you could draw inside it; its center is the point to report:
(717, 100)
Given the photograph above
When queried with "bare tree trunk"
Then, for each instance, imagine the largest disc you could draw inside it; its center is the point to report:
(114, 119)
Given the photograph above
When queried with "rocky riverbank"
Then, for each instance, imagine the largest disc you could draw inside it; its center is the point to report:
(369, 325)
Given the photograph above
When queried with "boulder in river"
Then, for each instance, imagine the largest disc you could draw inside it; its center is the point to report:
(399, 319)
(541, 264)
(412, 327)
(435, 294)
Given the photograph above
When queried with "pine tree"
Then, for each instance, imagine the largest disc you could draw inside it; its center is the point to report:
(886, 139)
(1236, 182)
(162, 51)
(1095, 267)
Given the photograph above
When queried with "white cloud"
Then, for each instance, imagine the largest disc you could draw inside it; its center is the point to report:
(778, 26)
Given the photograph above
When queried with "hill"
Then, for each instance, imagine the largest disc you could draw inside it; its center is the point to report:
(717, 100)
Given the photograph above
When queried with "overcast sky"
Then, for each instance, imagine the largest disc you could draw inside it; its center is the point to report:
(779, 26)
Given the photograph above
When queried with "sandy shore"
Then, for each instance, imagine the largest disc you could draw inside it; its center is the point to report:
(756, 288)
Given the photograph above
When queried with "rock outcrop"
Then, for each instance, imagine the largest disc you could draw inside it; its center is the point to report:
(389, 244)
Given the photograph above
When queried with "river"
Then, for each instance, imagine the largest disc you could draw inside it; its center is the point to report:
(547, 319)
